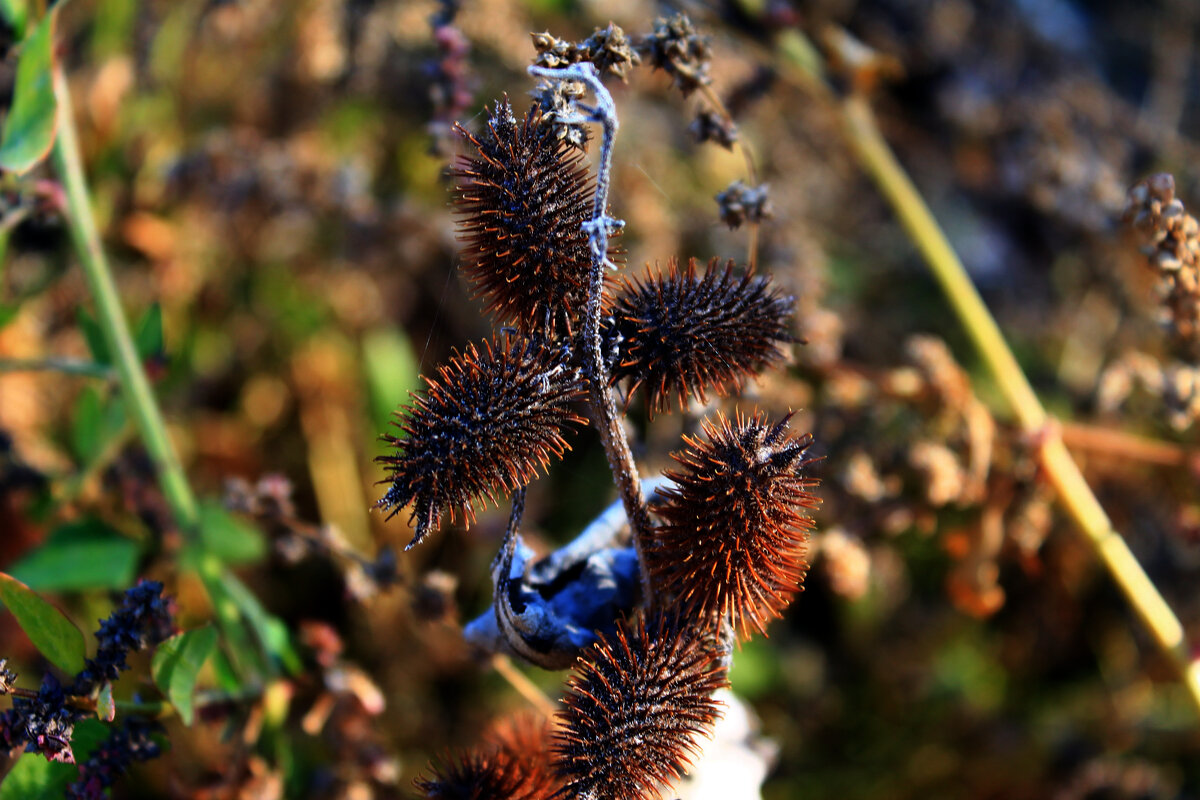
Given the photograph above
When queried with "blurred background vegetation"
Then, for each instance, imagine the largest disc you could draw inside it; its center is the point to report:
(270, 181)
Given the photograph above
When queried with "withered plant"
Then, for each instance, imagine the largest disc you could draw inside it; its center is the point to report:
(647, 617)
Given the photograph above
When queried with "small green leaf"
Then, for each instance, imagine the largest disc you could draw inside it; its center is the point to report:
(149, 337)
(85, 425)
(279, 642)
(89, 734)
(93, 336)
(226, 676)
(55, 636)
(31, 122)
(177, 663)
(85, 554)
(228, 538)
(106, 707)
(96, 420)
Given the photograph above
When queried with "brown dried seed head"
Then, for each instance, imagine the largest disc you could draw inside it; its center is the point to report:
(513, 763)
(675, 47)
(634, 711)
(482, 427)
(524, 197)
(735, 524)
(684, 334)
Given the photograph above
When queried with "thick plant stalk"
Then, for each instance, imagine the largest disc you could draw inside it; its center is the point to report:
(878, 160)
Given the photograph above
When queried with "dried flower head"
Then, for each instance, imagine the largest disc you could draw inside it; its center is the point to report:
(511, 764)
(608, 48)
(473, 776)
(740, 203)
(1171, 241)
(675, 47)
(524, 198)
(735, 530)
(130, 742)
(634, 710)
(41, 724)
(143, 618)
(710, 126)
(682, 333)
(481, 427)
(556, 101)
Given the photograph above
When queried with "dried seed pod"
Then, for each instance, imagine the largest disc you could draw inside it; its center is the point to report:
(512, 764)
(682, 334)
(733, 543)
(740, 203)
(481, 427)
(634, 710)
(524, 198)
(675, 47)
(474, 776)
(609, 49)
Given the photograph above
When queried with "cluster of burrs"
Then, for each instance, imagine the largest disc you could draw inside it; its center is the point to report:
(646, 613)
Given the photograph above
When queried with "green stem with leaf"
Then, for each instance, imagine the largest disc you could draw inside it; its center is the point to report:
(135, 386)
(232, 602)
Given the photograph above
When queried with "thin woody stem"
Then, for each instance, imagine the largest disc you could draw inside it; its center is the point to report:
(600, 395)
(880, 163)
(1128, 447)
(65, 366)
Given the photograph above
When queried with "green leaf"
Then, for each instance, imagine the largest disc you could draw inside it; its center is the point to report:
(55, 636)
(176, 666)
(270, 630)
(223, 670)
(85, 425)
(89, 734)
(96, 420)
(31, 122)
(85, 554)
(228, 538)
(35, 778)
(106, 707)
(93, 336)
(15, 13)
(149, 336)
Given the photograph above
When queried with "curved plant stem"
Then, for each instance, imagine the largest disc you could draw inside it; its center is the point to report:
(600, 394)
(135, 386)
(877, 158)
